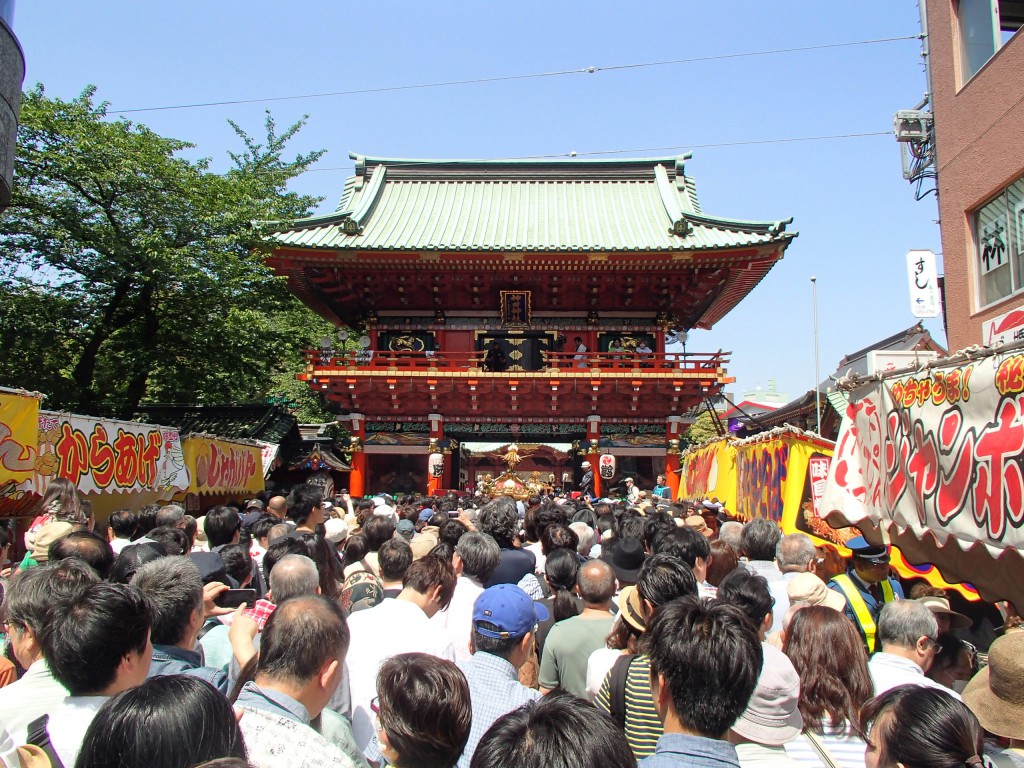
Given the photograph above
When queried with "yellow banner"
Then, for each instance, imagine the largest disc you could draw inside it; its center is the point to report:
(709, 472)
(19, 415)
(222, 466)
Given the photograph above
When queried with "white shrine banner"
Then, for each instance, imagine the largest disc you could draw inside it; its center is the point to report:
(931, 460)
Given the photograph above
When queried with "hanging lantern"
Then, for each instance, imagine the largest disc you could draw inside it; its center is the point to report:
(435, 462)
(606, 466)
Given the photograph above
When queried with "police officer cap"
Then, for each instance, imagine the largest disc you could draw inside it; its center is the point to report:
(860, 547)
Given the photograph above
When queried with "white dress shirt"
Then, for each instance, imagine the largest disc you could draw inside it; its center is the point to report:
(393, 627)
(457, 621)
(68, 724)
(116, 545)
(889, 670)
(34, 695)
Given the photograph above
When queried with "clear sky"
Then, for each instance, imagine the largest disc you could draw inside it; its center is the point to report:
(856, 215)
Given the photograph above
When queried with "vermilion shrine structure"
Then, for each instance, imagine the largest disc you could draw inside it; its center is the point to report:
(431, 263)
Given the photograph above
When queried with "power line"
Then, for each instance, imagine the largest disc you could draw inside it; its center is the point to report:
(644, 150)
(507, 78)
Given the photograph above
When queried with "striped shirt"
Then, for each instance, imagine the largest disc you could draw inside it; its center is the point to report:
(643, 727)
(845, 747)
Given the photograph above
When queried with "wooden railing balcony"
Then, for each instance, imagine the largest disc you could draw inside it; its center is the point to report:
(699, 364)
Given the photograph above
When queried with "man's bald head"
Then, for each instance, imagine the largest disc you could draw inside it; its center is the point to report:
(293, 576)
(277, 507)
(596, 582)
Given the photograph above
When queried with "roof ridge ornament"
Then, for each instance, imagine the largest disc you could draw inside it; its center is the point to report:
(352, 220)
(670, 199)
(681, 170)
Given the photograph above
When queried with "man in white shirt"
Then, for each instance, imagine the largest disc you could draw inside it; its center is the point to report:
(794, 554)
(581, 353)
(908, 634)
(476, 557)
(758, 541)
(31, 596)
(397, 626)
(96, 647)
(120, 528)
(632, 492)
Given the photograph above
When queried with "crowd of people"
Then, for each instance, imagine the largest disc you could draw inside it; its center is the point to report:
(418, 632)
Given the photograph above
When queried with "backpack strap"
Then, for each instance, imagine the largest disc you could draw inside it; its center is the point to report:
(207, 627)
(39, 736)
(617, 688)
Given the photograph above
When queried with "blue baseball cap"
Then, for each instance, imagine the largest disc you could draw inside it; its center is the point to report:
(508, 608)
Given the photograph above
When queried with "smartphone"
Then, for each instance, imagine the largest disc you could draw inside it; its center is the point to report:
(232, 598)
(453, 513)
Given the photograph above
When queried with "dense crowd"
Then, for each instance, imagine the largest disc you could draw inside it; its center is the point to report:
(293, 630)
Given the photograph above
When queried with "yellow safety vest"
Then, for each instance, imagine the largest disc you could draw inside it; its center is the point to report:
(860, 608)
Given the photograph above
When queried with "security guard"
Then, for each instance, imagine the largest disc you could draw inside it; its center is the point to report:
(866, 586)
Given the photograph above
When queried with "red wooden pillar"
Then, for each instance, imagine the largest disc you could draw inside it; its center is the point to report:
(357, 477)
(594, 451)
(435, 482)
(673, 433)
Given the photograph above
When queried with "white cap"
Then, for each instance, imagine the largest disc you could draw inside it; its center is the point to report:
(585, 465)
(629, 480)
(336, 530)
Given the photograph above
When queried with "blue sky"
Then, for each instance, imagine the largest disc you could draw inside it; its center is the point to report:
(856, 215)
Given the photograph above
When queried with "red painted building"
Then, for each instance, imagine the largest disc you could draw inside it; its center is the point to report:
(572, 272)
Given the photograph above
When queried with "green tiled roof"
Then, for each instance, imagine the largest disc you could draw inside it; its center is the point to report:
(513, 205)
(254, 421)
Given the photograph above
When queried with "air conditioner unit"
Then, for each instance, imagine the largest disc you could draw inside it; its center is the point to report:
(912, 125)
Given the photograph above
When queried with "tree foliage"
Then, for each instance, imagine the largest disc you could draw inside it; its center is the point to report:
(703, 428)
(129, 272)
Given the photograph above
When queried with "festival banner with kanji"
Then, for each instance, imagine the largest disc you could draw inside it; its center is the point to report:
(223, 466)
(19, 413)
(933, 462)
(107, 456)
(709, 472)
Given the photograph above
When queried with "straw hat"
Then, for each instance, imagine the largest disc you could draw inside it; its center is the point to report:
(996, 694)
(698, 524)
(630, 608)
(808, 588)
(941, 605)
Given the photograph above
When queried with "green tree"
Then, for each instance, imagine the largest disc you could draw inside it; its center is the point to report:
(130, 273)
(704, 428)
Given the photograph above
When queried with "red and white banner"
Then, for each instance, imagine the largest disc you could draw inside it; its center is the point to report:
(934, 460)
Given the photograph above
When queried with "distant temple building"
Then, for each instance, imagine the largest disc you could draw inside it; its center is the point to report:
(519, 301)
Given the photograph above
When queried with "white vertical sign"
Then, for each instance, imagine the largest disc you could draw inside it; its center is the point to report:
(923, 279)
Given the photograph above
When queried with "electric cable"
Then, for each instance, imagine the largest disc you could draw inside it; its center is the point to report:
(506, 78)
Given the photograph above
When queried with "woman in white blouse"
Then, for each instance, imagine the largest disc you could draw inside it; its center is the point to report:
(830, 658)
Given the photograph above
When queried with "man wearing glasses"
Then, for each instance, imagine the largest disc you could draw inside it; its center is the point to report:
(908, 634)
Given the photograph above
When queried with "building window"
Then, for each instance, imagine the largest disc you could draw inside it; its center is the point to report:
(984, 27)
(999, 238)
